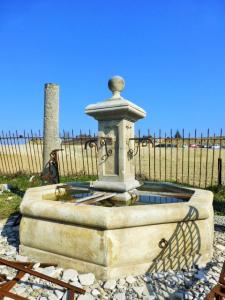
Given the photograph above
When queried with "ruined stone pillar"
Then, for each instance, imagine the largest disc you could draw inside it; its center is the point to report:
(51, 120)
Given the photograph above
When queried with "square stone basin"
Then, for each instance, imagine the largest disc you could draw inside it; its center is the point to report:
(113, 242)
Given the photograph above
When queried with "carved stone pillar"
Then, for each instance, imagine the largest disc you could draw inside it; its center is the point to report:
(116, 117)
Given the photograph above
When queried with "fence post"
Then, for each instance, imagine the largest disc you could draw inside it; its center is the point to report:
(219, 171)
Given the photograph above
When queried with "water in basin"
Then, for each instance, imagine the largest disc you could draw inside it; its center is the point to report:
(148, 194)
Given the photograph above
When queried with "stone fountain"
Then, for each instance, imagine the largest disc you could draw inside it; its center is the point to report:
(130, 234)
(116, 117)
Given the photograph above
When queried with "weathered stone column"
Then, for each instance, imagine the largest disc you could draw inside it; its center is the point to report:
(51, 120)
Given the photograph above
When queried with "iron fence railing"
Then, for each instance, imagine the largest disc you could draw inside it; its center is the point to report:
(197, 160)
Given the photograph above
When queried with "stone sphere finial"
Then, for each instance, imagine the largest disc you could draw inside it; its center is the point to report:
(116, 84)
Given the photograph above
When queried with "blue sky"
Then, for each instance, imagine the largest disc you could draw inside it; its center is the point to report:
(171, 54)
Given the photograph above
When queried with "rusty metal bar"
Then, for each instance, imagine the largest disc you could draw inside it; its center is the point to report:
(28, 160)
(39, 141)
(194, 158)
(189, 138)
(3, 159)
(8, 285)
(25, 269)
(218, 291)
(17, 137)
(11, 295)
(200, 160)
(59, 157)
(17, 146)
(96, 160)
(213, 159)
(11, 153)
(38, 159)
(34, 151)
(42, 146)
(219, 171)
(86, 151)
(74, 153)
(139, 152)
(160, 154)
(82, 152)
(154, 156)
(171, 154)
(206, 163)
(14, 151)
(62, 157)
(70, 154)
(135, 158)
(165, 161)
(221, 133)
(176, 157)
(92, 164)
(149, 157)
(182, 166)
(220, 166)
(66, 143)
(29, 145)
(6, 152)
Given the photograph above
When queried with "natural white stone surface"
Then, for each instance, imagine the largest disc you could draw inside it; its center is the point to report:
(59, 293)
(87, 279)
(110, 284)
(95, 292)
(49, 271)
(21, 258)
(70, 275)
(86, 297)
(119, 296)
(130, 279)
(138, 290)
(53, 297)
(77, 284)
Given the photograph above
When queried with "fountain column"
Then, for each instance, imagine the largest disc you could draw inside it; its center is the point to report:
(51, 120)
(116, 117)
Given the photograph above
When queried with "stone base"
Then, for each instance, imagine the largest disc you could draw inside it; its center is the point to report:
(115, 186)
(126, 197)
(105, 273)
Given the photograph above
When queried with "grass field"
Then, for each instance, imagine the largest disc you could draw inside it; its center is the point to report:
(10, 201)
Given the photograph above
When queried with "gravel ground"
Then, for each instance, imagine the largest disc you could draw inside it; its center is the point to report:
(219, 220)
(187, 284)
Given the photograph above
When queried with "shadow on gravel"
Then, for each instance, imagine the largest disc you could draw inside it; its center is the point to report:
(220, 228)
(11, 230)
(181, 252)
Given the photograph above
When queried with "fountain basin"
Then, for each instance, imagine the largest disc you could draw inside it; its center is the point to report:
(113, 242)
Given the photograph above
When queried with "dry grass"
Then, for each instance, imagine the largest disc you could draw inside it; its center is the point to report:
(197, 167)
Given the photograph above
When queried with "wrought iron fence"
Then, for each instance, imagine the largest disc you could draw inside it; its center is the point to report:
(197, 160)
